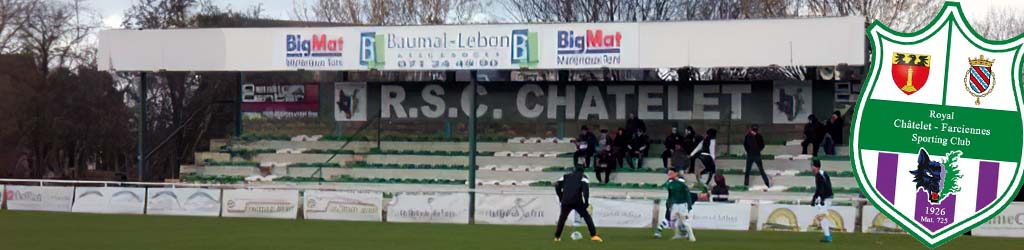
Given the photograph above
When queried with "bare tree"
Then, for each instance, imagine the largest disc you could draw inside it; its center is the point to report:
(900, 15)
(55, 32)
(13, 17)
(1000, 23)
(387, 12)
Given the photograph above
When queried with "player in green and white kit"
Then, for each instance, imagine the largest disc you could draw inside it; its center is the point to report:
(680, 203)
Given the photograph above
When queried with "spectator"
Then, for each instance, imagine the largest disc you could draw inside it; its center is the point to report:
(634, 125)
(606, 163)
(705, 150)
(813, 133)
(720, 193)
(586, 145)
(834, 133)
(690, 141)
(603, 139)
(680, 159)
(620, 146)
(638, 148)
(753, 143)
(671, 141)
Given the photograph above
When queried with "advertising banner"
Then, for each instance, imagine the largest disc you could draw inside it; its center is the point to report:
(260, 203)
(338, 205)
(719, 216)
(800, 218)
(429, 208)
(36, 198)
(272, 100)
(872, 221)
(183, 201)
(821, 41)
(109, 200)
(506, 209)
(1009, 223)
(449, 48)
(622, 213)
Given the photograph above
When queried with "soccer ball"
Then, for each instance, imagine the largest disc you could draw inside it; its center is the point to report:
(576, 235)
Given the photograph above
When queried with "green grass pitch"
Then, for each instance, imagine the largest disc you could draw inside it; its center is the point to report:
(38, 230)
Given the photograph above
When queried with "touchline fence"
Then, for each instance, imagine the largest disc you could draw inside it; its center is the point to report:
(425, 206)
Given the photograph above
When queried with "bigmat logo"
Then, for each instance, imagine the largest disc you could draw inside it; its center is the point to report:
(371, 53)
(591, 47)
(318, 50)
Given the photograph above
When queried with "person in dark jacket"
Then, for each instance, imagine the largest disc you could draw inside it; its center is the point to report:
(620, 146)
(690, 141)
(673, 139)
(606, 164)
(720, 193)
(835, 127)
(813, 133)
(638, 149)
(634, 125)
(586, 145)
(573, 191)
(822, 199)
(705, 150)
(753, 143)
(833, 133)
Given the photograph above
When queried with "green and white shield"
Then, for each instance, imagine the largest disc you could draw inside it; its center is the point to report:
(937, 135)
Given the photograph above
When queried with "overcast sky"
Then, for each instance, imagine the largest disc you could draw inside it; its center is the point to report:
(113, 10)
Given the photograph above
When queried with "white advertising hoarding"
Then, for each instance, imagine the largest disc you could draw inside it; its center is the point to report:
(873, 221)
(508, 209)
(622, 213)
(109, 200)
(805, 41)
(338, 205)
(1009, 223)
(800, 218)
(260, 203)
(183, 201)
(719, 216)
(36, 198)
(429, 208)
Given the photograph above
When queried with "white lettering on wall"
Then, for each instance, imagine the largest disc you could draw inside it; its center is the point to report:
(701, 100)
(736, 93)
(568, 101)
(620, 92)
(593, 104)
(524, 92)
(645, 101)
(432, 95)
(391, 97)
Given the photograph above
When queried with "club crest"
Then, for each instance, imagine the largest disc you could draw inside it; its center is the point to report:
(910, 71)
(927, 152)
(979, 80)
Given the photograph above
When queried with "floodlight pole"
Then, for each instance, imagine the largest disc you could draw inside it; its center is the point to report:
(472, 146)
(142, 123)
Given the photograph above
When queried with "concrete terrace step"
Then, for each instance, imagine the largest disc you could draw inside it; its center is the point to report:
(364, 146)
(650, 162)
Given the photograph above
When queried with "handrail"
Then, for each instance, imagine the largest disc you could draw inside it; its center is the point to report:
(319, 170)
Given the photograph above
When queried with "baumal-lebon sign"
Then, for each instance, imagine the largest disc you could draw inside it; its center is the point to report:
(937, 143)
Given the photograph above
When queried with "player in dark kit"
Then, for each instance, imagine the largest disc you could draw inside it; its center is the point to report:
(573, 191)
(822, 199)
